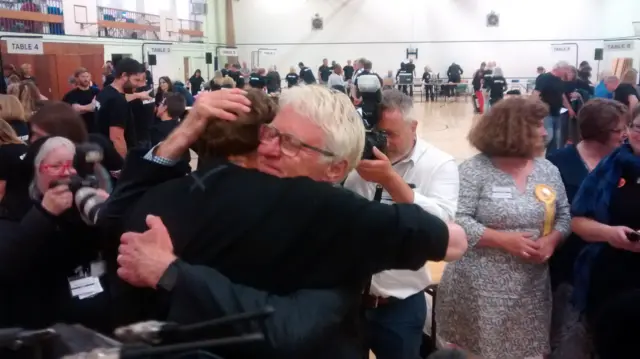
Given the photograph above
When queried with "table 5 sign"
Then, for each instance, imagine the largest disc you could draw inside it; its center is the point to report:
(27, 46)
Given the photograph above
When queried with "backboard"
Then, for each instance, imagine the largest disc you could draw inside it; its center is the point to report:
(80, 17)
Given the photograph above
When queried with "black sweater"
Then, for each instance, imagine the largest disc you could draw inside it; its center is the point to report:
(37, 256)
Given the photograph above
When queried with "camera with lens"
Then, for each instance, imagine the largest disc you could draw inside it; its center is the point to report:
(370, 88)
(89, 178)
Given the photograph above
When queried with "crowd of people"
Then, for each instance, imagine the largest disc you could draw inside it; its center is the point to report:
(539, 226)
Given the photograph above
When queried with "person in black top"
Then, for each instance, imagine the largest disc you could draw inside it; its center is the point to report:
(348, 71)
(13, 180)
(234, 73)
(283, 277)
(225, 70)
(605, 216)
(169, 112)
(454, 73)
(551, 90)
(143, 111)
(82, 98)
(306, 74)
(411, 67)
(113, 113)
(584, 82)
(164, 86)
(59, 119)
(402, 70)
(147, 72)
(273, 80)
(427, 78)
(41, 254)
(257, 80)
(476, 82)
(626, 91)
(497, 87)
(12, 112)
(292, 77)
(324, 71)
(195, 82)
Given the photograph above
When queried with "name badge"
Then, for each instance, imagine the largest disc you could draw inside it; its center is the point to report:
(85, 287)
(499, 192)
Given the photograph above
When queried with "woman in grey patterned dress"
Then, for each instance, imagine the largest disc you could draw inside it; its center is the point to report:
(496, 300)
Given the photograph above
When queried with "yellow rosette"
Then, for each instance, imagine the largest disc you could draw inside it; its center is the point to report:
(547, 196)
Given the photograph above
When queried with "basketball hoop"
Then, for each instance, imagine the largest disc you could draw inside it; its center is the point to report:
(412, 53)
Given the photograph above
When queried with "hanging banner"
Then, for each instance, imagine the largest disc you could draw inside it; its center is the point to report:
(228, 51)
(159, 49)
(25, 46)
(618, 45)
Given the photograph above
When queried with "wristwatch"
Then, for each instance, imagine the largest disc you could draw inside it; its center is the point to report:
(169, 278)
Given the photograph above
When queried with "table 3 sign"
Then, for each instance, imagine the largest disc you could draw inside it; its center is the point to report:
(28, 46)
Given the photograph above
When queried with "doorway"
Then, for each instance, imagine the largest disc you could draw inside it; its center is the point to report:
(187, 70)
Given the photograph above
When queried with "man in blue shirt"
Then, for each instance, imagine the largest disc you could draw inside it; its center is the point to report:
(606, 87)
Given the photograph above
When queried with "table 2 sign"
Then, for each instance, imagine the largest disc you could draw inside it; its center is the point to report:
(25, 46)
(619, 45)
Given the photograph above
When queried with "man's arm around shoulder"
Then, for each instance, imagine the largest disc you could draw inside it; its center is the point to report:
(398, 236)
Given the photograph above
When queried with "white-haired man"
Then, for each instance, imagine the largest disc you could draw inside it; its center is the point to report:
(551, 89)
(396, 307)
(298, 226)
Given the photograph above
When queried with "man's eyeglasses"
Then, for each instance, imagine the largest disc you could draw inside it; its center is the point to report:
(57, 169)
(289, 145)
(635, 127)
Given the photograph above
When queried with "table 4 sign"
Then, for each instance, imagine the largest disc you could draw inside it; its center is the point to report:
(28, 46)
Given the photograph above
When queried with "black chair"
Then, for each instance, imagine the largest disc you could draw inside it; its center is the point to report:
(429, 341)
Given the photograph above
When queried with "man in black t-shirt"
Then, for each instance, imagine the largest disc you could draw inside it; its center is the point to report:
(114, 119)
(550, 87)
(257, 80)
(478, 76)
(306, 74)
(348, 71)
(324, 71)
(82, 98)
(143, 111)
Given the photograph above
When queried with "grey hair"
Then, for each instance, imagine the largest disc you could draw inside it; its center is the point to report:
(611, 78)
(561, 65)
(47, 147)
(498, 72)
(394, 99)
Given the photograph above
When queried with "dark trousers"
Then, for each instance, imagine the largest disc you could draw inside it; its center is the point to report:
(395, 329)
(429, 92)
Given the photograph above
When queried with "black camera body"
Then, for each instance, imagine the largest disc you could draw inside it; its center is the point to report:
(87, 156)
(85, 184)
(370, 89)
(373, 137)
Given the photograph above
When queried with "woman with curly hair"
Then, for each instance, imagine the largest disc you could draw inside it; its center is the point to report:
(496, 301)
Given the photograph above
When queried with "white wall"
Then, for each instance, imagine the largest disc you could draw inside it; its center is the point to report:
(443, 31)
(171, 65)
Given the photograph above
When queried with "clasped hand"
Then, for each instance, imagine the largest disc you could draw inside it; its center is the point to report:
(522, 245)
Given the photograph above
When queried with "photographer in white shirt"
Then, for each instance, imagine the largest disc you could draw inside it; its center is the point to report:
(396, 306)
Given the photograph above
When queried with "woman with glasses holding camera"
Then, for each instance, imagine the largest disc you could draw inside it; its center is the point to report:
(50, 267)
